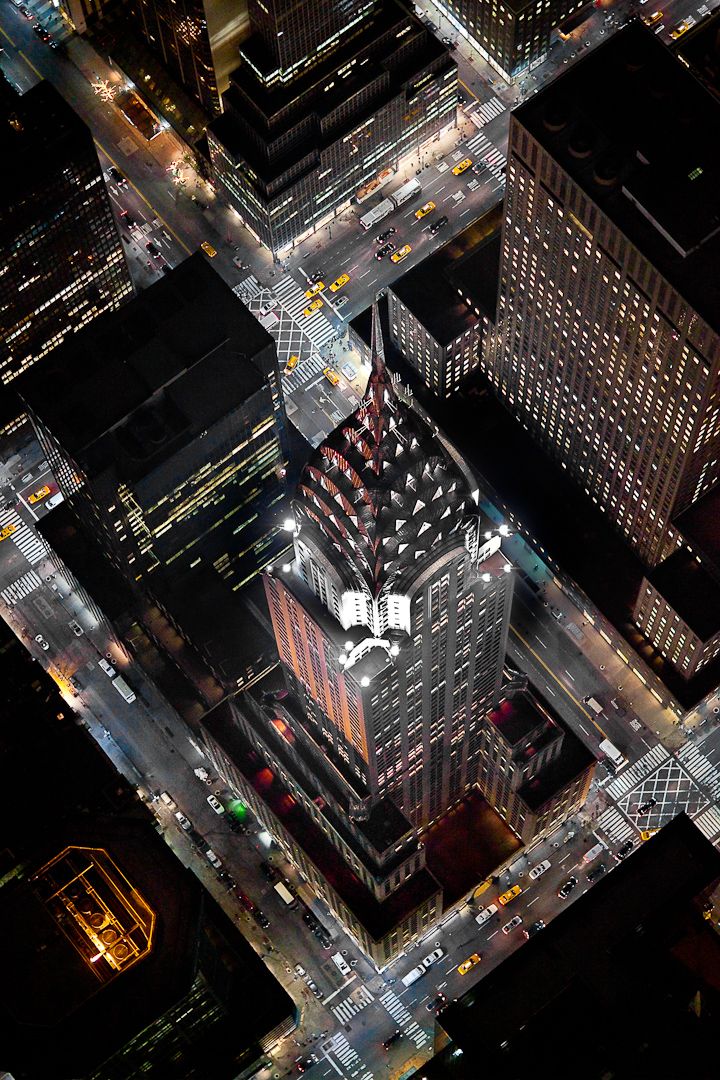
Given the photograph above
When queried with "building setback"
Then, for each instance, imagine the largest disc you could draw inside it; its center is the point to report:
(513, 35)
(608, 332)
(61, 259)
(315, 112)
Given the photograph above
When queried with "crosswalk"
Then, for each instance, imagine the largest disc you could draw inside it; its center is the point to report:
(490, 156)
(702, 771)
(293, 299)
(403, 1018)
(22, 587)
(709, 822)
(615, 826)
(353, 1004)
(487, 112)
(33, 548)
(635, 773)
(349, 1058)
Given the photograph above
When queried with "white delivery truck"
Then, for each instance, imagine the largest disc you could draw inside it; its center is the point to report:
(285, 895)
(407, 191)
(612, 753)
(123, 689)
(414, 975)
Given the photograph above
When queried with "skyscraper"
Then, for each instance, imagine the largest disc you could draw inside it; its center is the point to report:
(608, 340)
(170, 452)
(512, 35)
(321, 105)
(402, 659)
(61, 259)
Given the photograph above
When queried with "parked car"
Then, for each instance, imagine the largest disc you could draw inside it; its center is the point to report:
(508, 927)
(539, 870)
(597, 872)
(567, 887)
(216, 804)
(184, 822)
(534, 929)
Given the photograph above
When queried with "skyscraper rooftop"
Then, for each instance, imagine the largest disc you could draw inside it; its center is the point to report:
(637, 132)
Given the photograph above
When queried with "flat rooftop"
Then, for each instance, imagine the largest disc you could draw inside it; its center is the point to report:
(691, 591)
(35, 127)
(451, 290)
(640, 136)
(147, 375)
(626, 979)
(377, 917)
(466, 845)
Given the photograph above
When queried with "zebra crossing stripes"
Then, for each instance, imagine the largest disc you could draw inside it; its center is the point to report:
(353, 1004)
(708, 822)
(311, 365)
(487, 112)
(702, 771)
(615, 826)
(403, 1018)
(490, 156)
(22, 587)
(348, 1057)
(293, 299)
(635, 773)
(249, 287)
(33, 548)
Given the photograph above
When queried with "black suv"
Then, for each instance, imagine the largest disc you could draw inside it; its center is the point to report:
(117, 176)
(625, 850)
(597, 872)
(384, 250)
(384, 235)
(439, 224)
(567, 887)
(392, 1040)
(534, 929)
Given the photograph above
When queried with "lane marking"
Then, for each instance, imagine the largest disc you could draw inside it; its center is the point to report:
(5, 34)
(565, 689)
(471, 92)
(149, 205)
(347, 983)
(30, 64)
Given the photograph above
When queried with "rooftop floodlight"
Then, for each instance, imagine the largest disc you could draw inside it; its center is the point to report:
(287, 567)
(394, 650)
(488, 536)
(507, 568)
(348, 645)
(289, 524)
(342, 658)
(504, 530)
(364, 681)
(487, 577)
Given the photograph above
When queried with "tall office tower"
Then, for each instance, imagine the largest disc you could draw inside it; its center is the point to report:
(169, 452)
(608, 333)
(513, 35)
(391, 621)
(196, 40)
(320, 106)
(61, 260)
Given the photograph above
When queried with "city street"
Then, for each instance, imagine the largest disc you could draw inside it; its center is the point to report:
(562, 647)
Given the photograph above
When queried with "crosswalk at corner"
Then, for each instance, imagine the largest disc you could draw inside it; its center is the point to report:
(33, 548)
(403, 1018)
(490, 156)
(487, 112)
(615, 826)
(352, 1004)
(338, 1047)
(24, 585)
(294, 301)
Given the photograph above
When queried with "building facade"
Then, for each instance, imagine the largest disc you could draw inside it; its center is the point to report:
(608, 347)
(309, 121)
(182, 466)
(442, 365)
(61, 259)
(513, 36)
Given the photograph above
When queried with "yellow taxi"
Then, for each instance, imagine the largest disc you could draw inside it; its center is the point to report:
(7, 531)
(679, 30)
(398, 256)
(462, 166)
(650, 20)
(291, 364)
(342, 280)
(469, 964)
(315, 289)
(424, 210)
(331, 376)
(208, 249)
(40, 494)
(647, 833)
(316, 304)
(506, 897)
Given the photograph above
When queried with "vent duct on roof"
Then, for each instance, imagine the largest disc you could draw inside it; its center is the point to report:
(581, 142)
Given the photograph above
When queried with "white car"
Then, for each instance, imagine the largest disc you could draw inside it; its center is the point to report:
(216, 804)
(539, 870)
(508, 927)
(107, 668)
(42, 642)
(213, 859)
(184, 822)
(76, 628)
(433, 957)
(486, 914)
